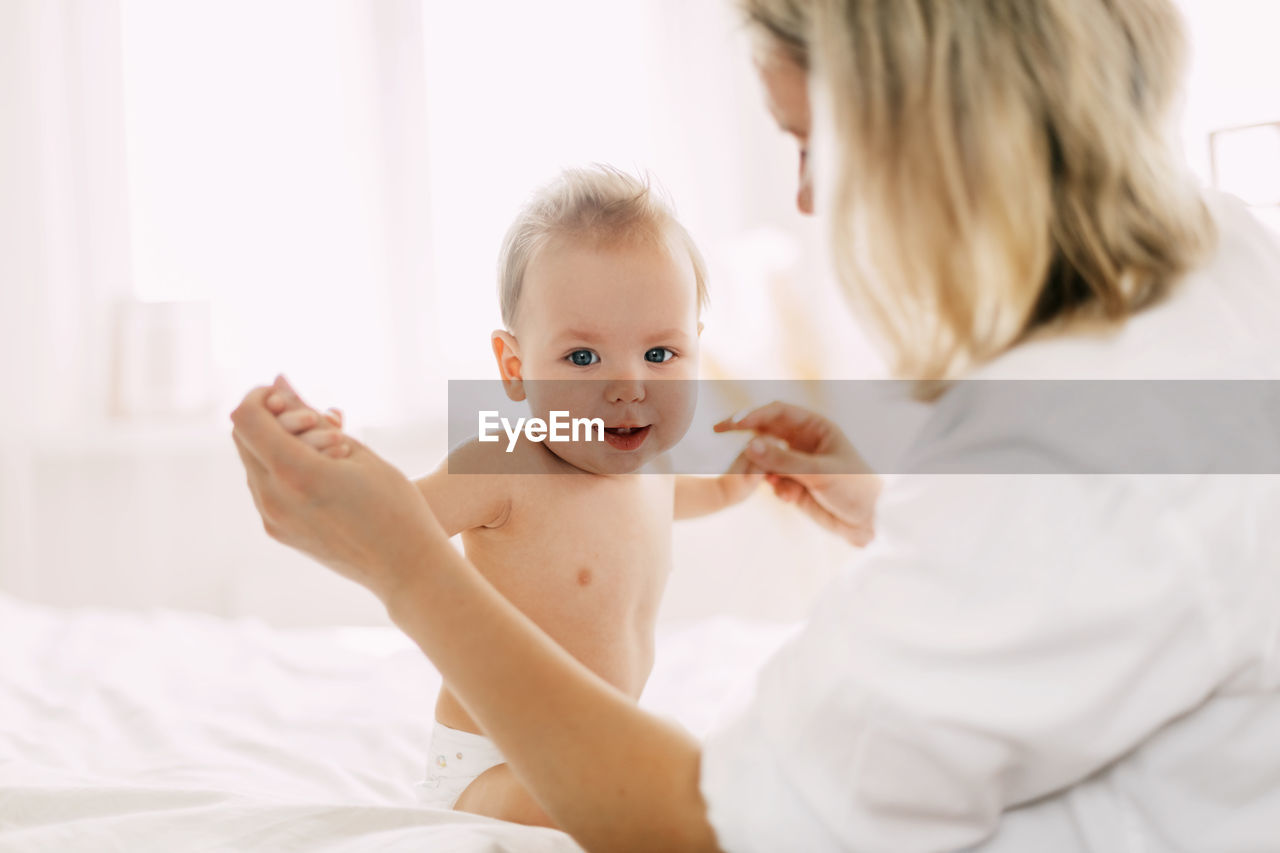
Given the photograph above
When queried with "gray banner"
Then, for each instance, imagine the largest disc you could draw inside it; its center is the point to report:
(976, 427)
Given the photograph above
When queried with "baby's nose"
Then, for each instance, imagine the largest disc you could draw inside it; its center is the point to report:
(624, 390)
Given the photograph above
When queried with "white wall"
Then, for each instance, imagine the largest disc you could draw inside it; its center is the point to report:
(99, 511)
(19, 261)
(1234, 74)
(162, 518)
(333, 178)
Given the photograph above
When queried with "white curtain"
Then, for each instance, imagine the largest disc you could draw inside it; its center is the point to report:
(195, 194)
(328, 180)
(276, 162)
(63, 234)
(198, 194)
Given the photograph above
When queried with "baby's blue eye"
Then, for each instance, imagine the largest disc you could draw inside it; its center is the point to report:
(583, 357)
(658, 355)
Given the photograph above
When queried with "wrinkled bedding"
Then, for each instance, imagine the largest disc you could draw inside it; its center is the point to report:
(178, 731)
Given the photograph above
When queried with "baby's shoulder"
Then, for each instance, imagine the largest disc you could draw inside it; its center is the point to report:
(467, 490)
(474, 456)
(519, 478)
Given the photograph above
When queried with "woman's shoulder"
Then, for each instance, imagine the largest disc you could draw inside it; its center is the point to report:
(1218, 323)
(1101, 426)
(1159, 394)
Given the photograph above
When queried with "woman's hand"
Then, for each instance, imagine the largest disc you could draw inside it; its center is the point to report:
(810, 462)
(356, 513)
(321, 430)
(571, 738)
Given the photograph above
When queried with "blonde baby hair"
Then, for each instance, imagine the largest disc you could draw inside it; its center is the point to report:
(600, 204)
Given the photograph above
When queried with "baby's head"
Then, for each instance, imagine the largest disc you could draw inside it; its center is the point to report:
(601, 291)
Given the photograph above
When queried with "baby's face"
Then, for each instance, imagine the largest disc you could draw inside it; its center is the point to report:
(616, 321)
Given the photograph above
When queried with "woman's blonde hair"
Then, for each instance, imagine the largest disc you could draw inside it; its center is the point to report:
(1003, 165)
(601, 204)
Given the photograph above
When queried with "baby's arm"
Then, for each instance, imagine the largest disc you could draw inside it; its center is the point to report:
(466, 501)
(459, 501)
(697, 496)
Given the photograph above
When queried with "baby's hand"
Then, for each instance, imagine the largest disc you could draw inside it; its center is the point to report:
(740, 480)
(321, 431)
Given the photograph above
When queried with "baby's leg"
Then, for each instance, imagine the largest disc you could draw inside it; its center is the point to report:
(497, 793)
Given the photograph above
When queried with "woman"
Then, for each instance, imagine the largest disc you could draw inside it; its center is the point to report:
(1017, 663)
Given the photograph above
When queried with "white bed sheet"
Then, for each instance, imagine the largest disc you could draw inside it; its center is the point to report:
(179, 731)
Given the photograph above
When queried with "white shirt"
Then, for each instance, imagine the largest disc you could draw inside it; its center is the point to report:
(1043, 663)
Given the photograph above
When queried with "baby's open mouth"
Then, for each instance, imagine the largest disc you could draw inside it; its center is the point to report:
(626, 438)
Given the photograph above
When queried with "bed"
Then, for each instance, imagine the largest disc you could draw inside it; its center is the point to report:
(169, 730)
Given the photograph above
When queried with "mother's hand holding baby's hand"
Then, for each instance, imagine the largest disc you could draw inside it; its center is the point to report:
(811, 463)
(356, 513)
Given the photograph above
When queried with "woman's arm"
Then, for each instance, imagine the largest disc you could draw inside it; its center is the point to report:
(460, 502)
(610, 774)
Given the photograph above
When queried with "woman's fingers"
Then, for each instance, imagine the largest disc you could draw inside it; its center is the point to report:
(283, 398)
(775, 413)
(252, 466)
(320, 431)
(852, 534)
(786, 489)
(259, 480)
(784, 420)
(854, 521)
(741, 479)
(350, 511)
(256, 399)
(775, 457)
(298, 420)
(322, 438)
(743, 465)
(338, 451)
(803, 429)
(258, 432)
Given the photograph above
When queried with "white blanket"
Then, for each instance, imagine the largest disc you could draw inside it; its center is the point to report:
(176, 731)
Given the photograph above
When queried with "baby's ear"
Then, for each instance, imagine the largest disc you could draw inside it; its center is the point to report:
(506, 351)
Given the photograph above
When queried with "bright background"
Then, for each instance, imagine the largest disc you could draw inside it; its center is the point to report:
(195, 196)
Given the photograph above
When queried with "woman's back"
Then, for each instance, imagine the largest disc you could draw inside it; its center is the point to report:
(1208, 780)
(1049, 662)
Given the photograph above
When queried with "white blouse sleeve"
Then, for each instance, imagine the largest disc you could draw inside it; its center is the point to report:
(1003, 638)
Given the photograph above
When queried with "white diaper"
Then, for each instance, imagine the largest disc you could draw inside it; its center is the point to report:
(453, 761)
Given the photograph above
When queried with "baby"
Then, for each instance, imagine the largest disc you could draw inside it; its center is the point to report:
(601, 290)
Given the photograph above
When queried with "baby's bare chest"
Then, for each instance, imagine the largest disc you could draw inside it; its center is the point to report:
(573, 542)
